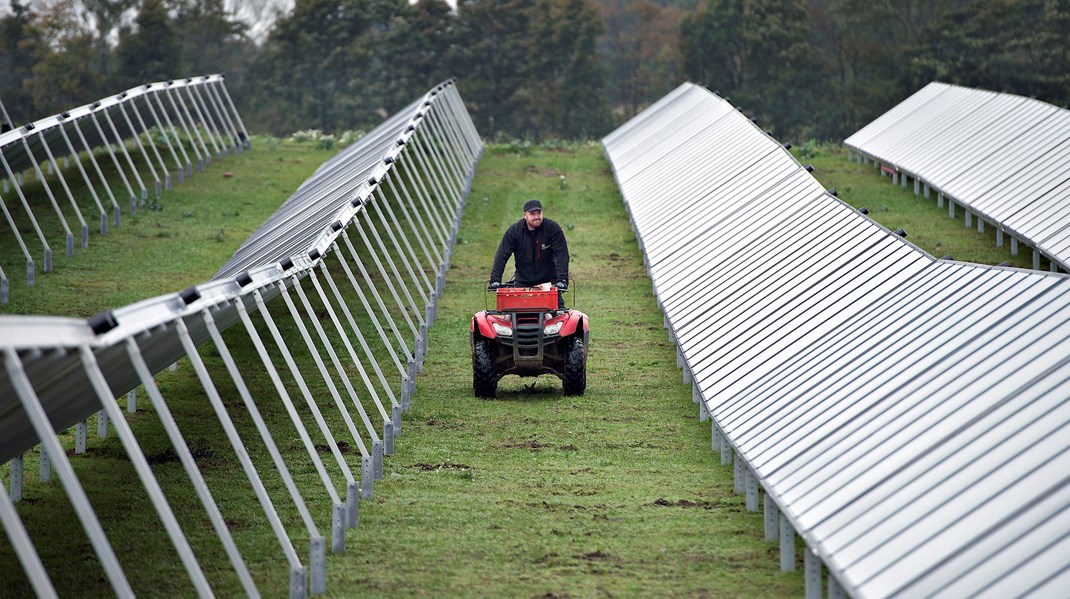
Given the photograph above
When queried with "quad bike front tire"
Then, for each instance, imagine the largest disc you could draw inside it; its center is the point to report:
(484, 381)
(575, 380)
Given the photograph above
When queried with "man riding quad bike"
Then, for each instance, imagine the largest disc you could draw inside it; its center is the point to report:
(528, 335)
(530, 332)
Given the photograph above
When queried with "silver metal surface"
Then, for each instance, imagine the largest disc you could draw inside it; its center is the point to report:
(1001, 156)
(57, 371)
(908, 417)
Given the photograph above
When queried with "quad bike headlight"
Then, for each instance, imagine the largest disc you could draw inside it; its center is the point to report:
(553, 329)
(502, 330)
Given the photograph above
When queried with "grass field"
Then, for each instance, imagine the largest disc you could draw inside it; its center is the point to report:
(534, 494)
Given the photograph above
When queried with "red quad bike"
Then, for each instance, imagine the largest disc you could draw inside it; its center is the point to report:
(528, 335)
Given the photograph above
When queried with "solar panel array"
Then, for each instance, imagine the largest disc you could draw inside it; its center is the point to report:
(375, 224)
(1000, 156)
(139, 133)
(908, 417)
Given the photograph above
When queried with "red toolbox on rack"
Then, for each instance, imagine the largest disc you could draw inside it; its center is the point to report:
(526, 299)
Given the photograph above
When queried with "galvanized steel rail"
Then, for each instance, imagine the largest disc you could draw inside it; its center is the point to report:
(907, 416)
(378, 223)
(113, 130)
(1002, 158)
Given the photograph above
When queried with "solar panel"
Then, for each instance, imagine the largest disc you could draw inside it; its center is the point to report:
(360, 309)
(1000, 156)
(905, 415)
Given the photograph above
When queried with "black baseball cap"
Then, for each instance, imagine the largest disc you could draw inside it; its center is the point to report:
(532, 205)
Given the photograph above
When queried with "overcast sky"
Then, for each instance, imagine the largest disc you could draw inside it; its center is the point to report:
(257, 13)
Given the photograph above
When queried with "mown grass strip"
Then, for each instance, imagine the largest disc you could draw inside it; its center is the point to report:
(537, 494)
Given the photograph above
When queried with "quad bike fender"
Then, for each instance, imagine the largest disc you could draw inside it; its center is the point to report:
(576, 321)
(481, 326)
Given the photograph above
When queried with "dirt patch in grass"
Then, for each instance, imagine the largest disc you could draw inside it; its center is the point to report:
(444, 466)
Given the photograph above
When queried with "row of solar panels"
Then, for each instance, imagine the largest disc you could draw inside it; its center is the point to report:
(908, 417)
(1002, 157)
(193, 120)
(358, 256)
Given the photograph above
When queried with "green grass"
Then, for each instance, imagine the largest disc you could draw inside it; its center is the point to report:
(533, 494)
(893, 206)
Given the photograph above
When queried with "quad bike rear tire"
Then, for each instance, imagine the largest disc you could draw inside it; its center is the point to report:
(484, 381)
(575, 380)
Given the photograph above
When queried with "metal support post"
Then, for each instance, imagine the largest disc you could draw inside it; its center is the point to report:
(51, 197)
(88, 182)
(752, 490)
(33, 221)
(999, 237)
(356, 331)
(115, 160)
(738, 474)
(145, 155)
(67, 190)
(100, 173)
(81, 432)
(31, 406)
(244, 132)
(129, 161)
(131, 400)
(772, 517)
(18, 467)
(44, 470)
(836, 589)
(787, 545)
(812, 574)
(24, 549)
(180, 167)
(178, 443)
(295, 372)
(236, 443)
(144, 472)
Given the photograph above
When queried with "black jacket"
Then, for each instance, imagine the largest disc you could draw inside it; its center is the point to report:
(541, 256)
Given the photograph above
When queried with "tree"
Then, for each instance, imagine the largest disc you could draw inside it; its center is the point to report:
(151, 51)
(1053, 52)
(211, 38)
(493, 63)
(66, 73)
(758, 52)
(641, 50)
(566, 89)
(412, 45)
(20, 46)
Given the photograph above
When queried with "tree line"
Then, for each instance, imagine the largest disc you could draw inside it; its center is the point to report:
(539, 69)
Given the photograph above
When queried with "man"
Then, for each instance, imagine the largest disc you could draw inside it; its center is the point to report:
(539, 250)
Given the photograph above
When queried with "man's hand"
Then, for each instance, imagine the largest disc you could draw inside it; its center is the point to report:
(494, 285)
(561, 285)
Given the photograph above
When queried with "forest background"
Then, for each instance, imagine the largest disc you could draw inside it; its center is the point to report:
(536, 69)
